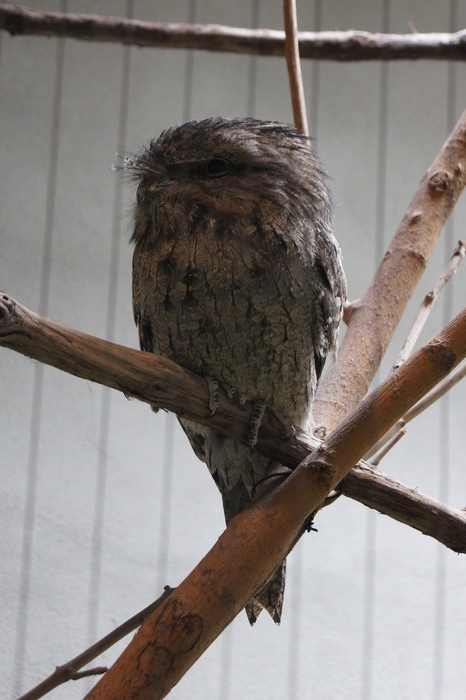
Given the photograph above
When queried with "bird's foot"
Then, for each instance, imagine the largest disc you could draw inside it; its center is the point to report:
(213, 395)
(287, 424)
(255, 422)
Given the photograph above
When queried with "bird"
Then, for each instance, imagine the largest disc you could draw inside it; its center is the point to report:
(237, 276)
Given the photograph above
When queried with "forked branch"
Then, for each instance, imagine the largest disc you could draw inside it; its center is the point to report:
(375, 317)
(157, 380)
(259, 537)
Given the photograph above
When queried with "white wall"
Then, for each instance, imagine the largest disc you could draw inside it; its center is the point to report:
(99, 507)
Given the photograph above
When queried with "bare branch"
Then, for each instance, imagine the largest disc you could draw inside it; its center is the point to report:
(144, 376)
(433, 518)
(440, 390)
(294, 67)
(97, 671)
(259, 537)
(70, 670)
(429, 301)
(158, 381)
(382, 451)
(351, 45)
(374, 317)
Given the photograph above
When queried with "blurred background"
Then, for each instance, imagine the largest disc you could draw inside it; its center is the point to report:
(102, 503)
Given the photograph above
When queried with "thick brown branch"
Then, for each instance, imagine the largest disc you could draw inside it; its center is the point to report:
(376, 315)
(257, 539)
(336, 46)
(157, 380)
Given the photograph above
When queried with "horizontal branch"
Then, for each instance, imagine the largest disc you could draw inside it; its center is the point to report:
(143, 376)
(349, 45)
(159, 381)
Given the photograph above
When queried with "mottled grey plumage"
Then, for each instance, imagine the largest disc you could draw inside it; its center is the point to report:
(237, 276)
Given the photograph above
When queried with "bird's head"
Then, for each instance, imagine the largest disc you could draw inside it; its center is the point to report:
(225, 168)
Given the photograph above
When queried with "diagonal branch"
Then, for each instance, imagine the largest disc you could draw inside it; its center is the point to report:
(374, 317)
(429, 300)
(259, 537)
(440, 390)
(70, 670)
(350, 45)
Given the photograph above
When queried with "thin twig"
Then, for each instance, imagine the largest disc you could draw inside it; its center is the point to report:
(352, 45)
(397, 431)
(428, 303)
(440, 390)
(70, 670)
(97, 671)
(388, 446)
(294, 67)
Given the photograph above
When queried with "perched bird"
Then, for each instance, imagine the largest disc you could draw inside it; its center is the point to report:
(238, 277)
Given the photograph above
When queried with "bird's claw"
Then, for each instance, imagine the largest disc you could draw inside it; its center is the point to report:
(255, 422)
(213, 395)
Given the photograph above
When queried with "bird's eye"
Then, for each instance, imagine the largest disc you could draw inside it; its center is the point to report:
(216, 167)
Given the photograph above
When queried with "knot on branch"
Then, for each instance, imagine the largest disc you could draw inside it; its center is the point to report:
(440, 181)
(320, 464)
(7, 308)
(442, 355)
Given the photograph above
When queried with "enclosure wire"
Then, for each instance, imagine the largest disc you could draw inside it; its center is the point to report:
(107, 394)
(24, 590)
(440, 579)
(370, 555)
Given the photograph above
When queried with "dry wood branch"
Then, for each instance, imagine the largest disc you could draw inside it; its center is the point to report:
(375, 316)
(70, 670)
(259, 537)
(144, 376)
(440, 390)
(384, 449)
(294, 67)
(398, 501)
(429, 301)
(336, 46)
(157, 380)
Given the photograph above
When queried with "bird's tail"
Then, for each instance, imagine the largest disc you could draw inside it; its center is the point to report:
(270, 597)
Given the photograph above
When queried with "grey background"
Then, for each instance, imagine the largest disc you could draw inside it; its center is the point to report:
(102, 502)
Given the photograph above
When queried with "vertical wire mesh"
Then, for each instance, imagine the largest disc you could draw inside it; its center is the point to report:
(111, 312)
(370, 554)
(21, 632)
(444, 462)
